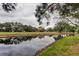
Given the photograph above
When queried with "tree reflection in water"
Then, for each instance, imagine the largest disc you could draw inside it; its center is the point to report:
(18, 40)
(15, 40)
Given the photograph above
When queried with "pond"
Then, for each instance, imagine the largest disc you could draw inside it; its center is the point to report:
(23, 46)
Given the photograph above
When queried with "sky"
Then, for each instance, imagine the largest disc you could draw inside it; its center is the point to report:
(24, 14)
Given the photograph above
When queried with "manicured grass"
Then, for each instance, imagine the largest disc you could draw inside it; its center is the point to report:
(63, 47)
(31, 33)
(24, 33)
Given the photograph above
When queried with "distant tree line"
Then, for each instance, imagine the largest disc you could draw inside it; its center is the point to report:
(18, 27)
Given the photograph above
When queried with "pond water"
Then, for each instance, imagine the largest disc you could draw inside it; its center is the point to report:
(26, 47)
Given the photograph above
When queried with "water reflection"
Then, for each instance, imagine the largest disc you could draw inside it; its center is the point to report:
(15, 40)
(18, 40)
(23, 46)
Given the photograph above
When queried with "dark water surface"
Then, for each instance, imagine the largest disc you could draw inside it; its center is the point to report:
(23, 46)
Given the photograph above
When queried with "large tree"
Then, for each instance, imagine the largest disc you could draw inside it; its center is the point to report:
(65, 10)
(64, 27)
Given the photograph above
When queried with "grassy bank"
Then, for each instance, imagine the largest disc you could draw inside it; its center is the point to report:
(31, 33)
(63, 47)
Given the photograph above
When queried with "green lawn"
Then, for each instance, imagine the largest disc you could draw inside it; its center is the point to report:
(31, 33)
(24, 33)
(63, 47)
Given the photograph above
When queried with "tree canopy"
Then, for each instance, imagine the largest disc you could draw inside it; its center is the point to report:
(64, 27)
(65, 10)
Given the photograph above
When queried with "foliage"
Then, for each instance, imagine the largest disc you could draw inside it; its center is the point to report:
(40, 10)
(49, 30)
(77, 30)
(16, 27)
(9, 6)
(64, 27)
(64, 9)
(41, 29)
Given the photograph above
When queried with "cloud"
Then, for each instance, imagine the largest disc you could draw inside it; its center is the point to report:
(24, 13)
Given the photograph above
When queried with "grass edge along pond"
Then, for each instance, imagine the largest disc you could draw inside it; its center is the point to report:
(7, 34)
(67, 46)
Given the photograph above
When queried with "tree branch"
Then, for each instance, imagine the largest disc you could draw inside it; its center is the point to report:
(71, 22)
